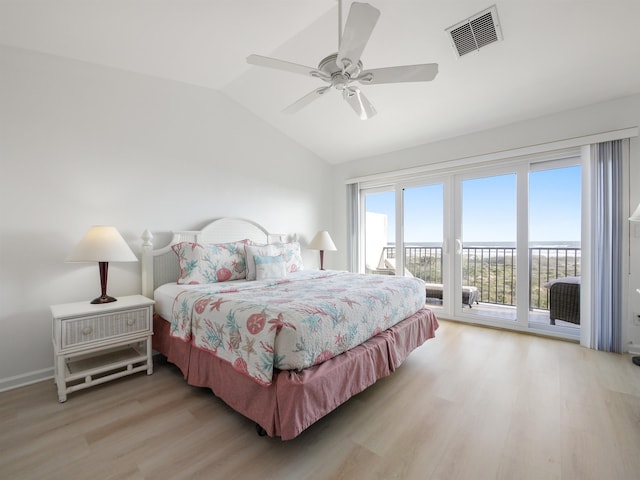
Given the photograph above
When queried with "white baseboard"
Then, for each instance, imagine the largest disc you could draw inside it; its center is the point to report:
(634, 349)
(28, 378)
(25, 379)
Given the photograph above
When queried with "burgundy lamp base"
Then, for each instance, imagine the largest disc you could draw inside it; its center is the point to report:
(103, 298)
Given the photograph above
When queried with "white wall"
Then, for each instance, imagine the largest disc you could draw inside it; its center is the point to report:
(613, 115)
(82, 145)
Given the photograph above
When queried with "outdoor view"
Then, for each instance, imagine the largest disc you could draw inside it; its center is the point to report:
(488, 250)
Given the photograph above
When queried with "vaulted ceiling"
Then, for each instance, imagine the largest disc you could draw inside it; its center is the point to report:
(556, 55)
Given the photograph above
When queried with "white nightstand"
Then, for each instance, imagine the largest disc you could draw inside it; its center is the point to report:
(97, 343)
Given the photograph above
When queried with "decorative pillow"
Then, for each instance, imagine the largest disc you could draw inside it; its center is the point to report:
(210, 263)
(270, 266)
(261, 250)
(292, 255)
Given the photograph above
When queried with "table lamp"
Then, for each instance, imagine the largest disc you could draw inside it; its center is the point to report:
(103, 245)
(322, 241)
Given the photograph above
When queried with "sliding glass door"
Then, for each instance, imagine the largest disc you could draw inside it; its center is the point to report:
(423, 238)
(490, 243)
(379, 207)
(486, 247)
(554, 245)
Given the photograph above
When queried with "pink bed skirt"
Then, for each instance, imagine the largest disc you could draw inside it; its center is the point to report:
(297, 399)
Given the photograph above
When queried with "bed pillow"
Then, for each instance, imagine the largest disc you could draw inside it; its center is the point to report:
(292, 255)
(290, 251)
(211, 263)
(269, 267)
(251, 251)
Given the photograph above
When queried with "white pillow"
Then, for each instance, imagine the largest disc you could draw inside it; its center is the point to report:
(261, 250)
(270, 266)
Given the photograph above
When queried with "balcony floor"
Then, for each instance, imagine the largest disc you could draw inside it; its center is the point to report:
(537, 318)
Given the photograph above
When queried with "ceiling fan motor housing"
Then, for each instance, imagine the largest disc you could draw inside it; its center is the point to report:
(339, 78)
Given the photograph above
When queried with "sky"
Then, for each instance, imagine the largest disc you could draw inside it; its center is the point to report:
(489, 208)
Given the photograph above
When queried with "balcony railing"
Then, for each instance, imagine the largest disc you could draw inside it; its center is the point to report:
(492, 270)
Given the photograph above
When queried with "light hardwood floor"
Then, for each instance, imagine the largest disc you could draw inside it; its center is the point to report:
(473, 403)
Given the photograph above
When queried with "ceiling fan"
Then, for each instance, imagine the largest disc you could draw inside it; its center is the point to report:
(342, 69)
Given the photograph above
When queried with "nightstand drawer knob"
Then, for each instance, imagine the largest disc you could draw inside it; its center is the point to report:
(131, 321)
(87, 330)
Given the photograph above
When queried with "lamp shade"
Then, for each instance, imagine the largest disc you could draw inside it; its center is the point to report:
(102, 244)
(635, 216)
(322, 241)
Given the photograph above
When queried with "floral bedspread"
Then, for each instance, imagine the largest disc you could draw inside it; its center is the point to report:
(295, 322)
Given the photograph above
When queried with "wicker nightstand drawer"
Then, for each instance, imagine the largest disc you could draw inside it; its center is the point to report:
(90, 329)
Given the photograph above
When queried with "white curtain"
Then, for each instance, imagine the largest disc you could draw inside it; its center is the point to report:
(353, 233)
(607, 253)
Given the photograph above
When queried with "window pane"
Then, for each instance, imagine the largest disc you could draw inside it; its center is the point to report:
(489, 231)
(554, 247)
(423, 237)
(380, 221)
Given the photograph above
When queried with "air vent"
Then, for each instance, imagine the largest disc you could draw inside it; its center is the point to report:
(475, 32)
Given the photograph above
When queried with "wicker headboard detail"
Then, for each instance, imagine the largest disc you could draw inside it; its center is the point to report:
(161, 266)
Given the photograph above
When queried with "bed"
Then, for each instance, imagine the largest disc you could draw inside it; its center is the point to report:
(237, 334)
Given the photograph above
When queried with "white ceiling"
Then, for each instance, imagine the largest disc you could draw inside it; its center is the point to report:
(556, 55)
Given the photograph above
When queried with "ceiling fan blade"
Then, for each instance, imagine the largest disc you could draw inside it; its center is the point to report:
(360, 22)
(269, 62)
(360, 104)
(306, 100)
(407, 73)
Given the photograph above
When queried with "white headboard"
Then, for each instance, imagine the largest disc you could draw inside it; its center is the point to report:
(161, 266)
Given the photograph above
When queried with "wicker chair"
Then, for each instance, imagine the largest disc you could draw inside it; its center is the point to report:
(564, 300)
